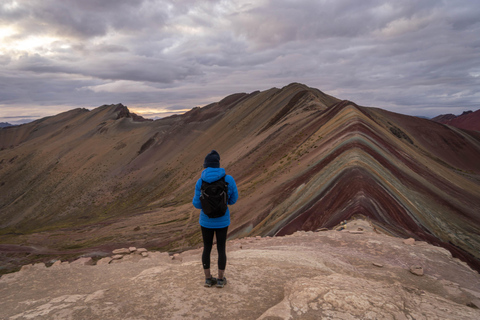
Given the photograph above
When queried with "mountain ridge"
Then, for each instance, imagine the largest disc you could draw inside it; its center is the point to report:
(468, 120)
(302, 160)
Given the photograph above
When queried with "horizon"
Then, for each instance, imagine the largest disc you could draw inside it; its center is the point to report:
(167, 57)
(28, 119)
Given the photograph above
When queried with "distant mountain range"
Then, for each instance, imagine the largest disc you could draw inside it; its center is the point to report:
(5, 124)
(89, 181)
(468, 120)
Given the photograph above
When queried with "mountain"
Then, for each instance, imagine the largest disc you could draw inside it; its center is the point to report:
(5, 124)
(88, 181)
(468, 120)
(351, 274)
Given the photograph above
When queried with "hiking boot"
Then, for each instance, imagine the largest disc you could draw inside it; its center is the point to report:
(210, 281)
(221, 282)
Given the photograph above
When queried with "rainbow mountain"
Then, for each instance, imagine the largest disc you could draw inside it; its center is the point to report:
(88, 181)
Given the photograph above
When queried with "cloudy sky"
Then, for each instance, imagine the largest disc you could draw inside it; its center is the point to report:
(418, 57)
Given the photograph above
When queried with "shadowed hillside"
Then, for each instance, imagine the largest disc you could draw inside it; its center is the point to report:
(86, 181)
(468, 120)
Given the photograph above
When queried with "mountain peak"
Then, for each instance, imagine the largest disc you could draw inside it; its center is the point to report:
(122, 111)
(5, 124)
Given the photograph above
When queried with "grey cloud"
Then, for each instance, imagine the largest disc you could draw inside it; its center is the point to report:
(110, 48)
(83, 19)
(38, 64)
(111, 68)
(140, 69)
(284, 21)
(47, 17)
(401, 55)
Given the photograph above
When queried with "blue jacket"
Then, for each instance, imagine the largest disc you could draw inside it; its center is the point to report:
(210, 175)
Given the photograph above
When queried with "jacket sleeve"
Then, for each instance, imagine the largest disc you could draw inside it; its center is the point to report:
(196, 198)
(232, 190)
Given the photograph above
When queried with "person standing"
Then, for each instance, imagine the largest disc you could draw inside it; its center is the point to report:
(214, 226)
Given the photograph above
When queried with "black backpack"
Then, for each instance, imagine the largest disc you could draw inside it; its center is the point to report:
(214, 197)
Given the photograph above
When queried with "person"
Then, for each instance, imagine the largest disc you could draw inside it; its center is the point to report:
(214, 226)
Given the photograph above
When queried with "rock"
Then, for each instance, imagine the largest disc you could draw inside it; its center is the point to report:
(26, 267)
(416, 270)
(144, 254)
(472, 305)
(159, 256)
(83, 261)
(258, 237)
(105, 260)
(376, 264)
(121, 251)
(140, 250)
(39, 265)
(122, 258)
(413, 290)
(409, 241)
(57, 263)
(95, 296)
(128, 257)
(132, 249)
(355, 231)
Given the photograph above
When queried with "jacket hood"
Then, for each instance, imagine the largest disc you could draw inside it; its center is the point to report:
(212, 174)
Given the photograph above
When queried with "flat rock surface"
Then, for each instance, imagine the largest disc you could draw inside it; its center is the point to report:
(308, 275)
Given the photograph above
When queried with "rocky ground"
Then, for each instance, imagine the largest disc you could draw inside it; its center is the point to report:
(353, 273)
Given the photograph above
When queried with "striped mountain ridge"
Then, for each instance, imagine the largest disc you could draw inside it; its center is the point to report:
(362, 168)
(365, 171)
(87, 181)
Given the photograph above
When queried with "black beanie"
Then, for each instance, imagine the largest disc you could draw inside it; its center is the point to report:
(212, 160)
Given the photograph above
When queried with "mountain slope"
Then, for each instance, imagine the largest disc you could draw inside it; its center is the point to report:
(468, 120)
(88, 180)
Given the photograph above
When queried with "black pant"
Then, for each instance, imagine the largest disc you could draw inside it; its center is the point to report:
(221, 235)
